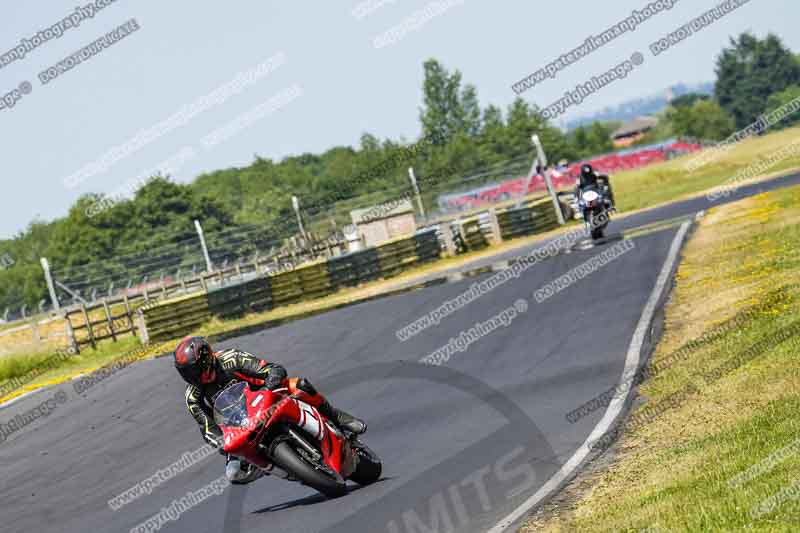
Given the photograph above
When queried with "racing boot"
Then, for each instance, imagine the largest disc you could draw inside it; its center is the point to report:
(241, 472)
(342, 419)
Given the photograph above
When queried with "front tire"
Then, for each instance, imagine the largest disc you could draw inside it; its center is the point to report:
(597, 232)
(331, 485)
(369, 467)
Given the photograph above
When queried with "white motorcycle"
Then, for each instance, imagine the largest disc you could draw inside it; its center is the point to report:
(595, 208)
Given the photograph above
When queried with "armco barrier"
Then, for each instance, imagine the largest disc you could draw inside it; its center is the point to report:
(237, 300)
(531, 217)
(527, 221)
(173, 318)
(472, 235)
(178, 317)
(354, 268)
(303, 283)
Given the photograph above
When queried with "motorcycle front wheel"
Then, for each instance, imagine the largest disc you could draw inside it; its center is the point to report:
(324, 481)
(369, 466)
(597, 232)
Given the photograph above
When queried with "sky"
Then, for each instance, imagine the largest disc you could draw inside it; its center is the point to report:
(276, 79)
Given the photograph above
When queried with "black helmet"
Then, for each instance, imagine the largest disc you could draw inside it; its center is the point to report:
(195, 360)
(586, 169)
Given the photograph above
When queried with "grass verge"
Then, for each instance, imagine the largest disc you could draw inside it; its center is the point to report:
(666, 182)
(22, 374)
(731, 409)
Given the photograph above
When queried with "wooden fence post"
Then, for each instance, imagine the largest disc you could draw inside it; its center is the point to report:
(495, 224)
(449, 242)
(108, 319)
(129, 315)
(88, 326)
(143, 336)
(73, 344)
(37, 338)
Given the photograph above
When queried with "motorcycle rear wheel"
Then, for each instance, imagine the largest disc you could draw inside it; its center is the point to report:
(287, 458)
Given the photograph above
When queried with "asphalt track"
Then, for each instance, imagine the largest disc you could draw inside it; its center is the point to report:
(464, 444)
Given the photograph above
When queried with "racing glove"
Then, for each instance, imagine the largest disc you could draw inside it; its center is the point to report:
(215, 441)
(276, 376)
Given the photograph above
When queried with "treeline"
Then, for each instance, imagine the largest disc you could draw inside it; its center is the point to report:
(248, 210)
(754, 76)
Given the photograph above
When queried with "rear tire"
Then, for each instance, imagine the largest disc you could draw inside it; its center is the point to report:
(287, 458)
(369, 467)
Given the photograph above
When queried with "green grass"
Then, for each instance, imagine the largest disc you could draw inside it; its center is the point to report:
(672, 474)
(17, 366)
(670, 181)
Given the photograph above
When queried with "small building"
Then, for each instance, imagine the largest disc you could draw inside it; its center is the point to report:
(633, 131)
(384, 222)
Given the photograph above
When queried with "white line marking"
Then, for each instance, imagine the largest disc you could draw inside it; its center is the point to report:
(21, 397)
(615, 407)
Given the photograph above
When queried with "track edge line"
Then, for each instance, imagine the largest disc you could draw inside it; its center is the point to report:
(632, 362)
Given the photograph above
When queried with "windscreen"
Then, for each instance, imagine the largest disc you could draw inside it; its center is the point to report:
(230, 407)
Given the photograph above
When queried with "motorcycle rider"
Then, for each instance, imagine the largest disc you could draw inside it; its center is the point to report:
(590, 178)
(207, 373)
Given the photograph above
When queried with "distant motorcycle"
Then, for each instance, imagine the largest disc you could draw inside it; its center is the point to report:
(290, 439)
(594, 204)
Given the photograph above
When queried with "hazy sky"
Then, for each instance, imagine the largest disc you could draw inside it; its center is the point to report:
(339, 84)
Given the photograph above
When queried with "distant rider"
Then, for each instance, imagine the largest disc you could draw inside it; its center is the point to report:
(208, 373)
(590, 178)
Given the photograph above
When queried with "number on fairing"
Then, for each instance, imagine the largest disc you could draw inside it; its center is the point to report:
(590, 196)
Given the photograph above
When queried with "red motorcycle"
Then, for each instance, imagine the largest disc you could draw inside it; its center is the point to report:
(288, 438)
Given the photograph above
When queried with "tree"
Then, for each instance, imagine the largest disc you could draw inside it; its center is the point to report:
(703, 120)
(688, 99)
(524, 121)
(600, 138)
(579, 139)
(471, 114)
(595, 139)
(447, 108)
(780, 99)
(749, 72)
(492, 143)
